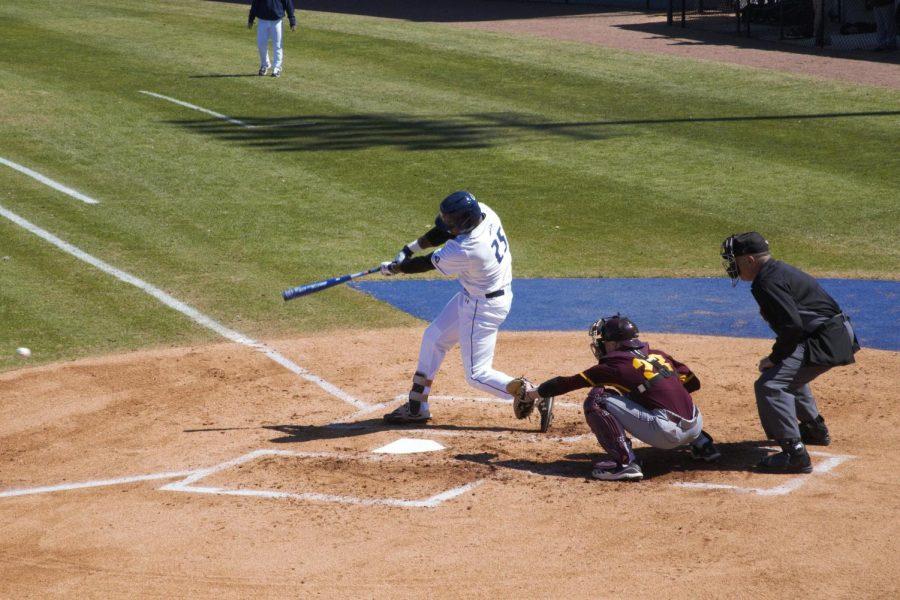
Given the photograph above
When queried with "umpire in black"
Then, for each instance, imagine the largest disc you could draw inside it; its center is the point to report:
(812, 336)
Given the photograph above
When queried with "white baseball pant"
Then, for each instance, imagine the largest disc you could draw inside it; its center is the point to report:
(472, 322)
(265, 30)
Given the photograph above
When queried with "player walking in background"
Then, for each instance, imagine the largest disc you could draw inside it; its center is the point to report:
(635, 389)
(812, 336)
(474, 248)
(270, 14)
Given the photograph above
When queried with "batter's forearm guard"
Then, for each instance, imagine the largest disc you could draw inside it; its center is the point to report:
(437, 237)
(417, 264)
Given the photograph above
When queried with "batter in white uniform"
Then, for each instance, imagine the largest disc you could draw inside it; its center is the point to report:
(476, 250)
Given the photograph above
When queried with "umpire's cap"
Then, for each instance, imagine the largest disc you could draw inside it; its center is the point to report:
(748, 243)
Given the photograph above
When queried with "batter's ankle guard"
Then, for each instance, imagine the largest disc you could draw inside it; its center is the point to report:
(417, 392)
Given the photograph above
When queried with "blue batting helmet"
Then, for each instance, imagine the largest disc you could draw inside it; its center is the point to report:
(460, 213)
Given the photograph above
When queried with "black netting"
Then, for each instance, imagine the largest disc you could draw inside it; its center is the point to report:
(838, 24)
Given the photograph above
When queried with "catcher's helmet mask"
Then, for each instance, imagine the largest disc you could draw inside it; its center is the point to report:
(459, 213)
(616, 328)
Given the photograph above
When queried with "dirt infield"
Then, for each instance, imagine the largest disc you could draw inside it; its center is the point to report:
(648, 32)
(502, 510)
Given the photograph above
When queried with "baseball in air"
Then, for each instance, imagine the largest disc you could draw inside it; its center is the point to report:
(23, 353)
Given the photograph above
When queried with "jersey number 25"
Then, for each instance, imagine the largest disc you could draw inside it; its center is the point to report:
(496, 245)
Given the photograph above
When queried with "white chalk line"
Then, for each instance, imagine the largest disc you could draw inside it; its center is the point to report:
(185, 309)
(193, 476)
(351, 422)
(430, 502)
(48, 182)
(198, 108)
(186, 485)
(831, 462)
(484, 400)
(91, 484)
(477, 399)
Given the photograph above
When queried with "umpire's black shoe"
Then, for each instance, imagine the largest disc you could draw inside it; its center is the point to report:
(815, 432)
(792, 459)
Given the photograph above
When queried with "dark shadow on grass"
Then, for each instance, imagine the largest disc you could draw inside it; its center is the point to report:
(308, 133)
(205, 75)
(736, 456)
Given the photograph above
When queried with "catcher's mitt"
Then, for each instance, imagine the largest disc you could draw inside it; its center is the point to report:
(518, 387)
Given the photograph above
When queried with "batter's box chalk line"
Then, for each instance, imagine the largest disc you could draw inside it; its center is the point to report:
(190, 478)
(443, 399)
(484, 400)
(350, 423)
(831, 462)
(188, 484)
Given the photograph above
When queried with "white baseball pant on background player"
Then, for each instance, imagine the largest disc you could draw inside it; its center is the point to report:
(265, 30)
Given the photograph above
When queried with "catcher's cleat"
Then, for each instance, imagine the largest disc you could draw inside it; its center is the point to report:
(403, 415)
(262, 71)
(815, 433)
(705, 451)
(610, 471)
(545, 409)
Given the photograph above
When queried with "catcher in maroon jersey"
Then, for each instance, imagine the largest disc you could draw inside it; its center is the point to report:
(635, 389)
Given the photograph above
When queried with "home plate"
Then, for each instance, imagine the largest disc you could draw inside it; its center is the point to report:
(409, 446)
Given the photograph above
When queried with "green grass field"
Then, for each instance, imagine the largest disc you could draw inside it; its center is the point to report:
(601, 163)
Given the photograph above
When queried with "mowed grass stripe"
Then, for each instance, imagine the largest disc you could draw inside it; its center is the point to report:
(61, 308)
(762, 168)
(583, 151)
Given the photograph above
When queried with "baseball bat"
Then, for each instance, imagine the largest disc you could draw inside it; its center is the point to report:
(312, 288)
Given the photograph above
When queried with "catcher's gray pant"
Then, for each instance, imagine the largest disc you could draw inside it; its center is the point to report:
(783, 396)
(609, 414)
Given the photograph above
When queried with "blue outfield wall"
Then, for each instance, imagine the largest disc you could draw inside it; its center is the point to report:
(699, 306)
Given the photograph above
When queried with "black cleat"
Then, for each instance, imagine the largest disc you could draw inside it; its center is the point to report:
(792, 459)
(545, 409)
(610, 471)
(405, 416)
(707, 451)
(815, 433)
